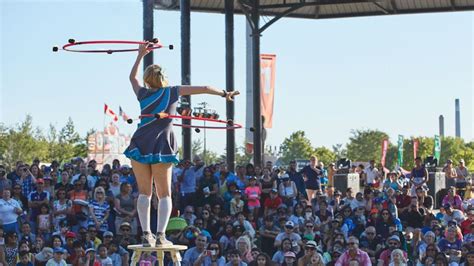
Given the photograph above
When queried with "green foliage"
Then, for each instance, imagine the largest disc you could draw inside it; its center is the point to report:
(325, 155)
(23, 142)
(297, 146)
(365, 145)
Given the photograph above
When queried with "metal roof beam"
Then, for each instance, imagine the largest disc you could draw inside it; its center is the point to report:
(383, 9)
(453, 5)
(284, 4)
(279, 16)
(393, 4)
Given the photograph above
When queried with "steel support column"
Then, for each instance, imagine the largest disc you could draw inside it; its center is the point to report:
(185, 7)
(257, 119)
(147, 29)
(229, 74)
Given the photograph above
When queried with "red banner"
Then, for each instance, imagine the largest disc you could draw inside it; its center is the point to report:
(384, 151)
(267, 87)
(109, 111)
(415, 148)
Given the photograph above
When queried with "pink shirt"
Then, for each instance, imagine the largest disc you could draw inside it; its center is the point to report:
(253, 195)
(362, 257)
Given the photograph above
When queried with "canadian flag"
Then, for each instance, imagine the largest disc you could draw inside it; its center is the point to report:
(109, 111)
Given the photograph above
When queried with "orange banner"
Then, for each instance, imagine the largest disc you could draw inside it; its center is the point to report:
(267, 87)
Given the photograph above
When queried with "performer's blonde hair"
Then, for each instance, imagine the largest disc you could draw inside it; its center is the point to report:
(154, 77)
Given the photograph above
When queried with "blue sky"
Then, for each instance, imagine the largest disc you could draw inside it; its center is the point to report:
(392, 73)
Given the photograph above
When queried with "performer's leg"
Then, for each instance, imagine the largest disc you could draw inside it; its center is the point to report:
(310, 193)
(143, 176)
(162, 177)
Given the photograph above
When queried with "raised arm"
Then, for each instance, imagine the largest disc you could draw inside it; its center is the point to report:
(190, 90)
(142, 51)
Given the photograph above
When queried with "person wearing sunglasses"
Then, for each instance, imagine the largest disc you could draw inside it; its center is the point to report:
(353, 253)
(393, 243)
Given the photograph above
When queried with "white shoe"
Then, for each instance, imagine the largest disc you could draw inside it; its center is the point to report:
(148, 239)
(161, 240)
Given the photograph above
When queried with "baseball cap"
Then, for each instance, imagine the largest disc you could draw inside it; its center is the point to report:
(59, 250)
(90, 250)
(290, 254)
(39, 181)
(108, 233)
(447, 206)
(70, 235)
(311, 244)
(274, 190)
(289, 224)
(394, 237)
(125, 224)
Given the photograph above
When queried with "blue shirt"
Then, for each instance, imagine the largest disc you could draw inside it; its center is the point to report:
(188, 185)
(35, 196)
(99, 211)
(190, 256)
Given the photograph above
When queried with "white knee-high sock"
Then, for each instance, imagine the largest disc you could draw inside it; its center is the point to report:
(164, 211)
(143, 209)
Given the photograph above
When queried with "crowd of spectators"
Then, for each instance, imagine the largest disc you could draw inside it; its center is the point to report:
(74, 214)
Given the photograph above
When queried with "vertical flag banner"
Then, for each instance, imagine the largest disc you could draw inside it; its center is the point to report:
(109, 112)
(384, 151)
(267, 87)
(437, 147)
(124, 116)
(400, 150)
(416, 143)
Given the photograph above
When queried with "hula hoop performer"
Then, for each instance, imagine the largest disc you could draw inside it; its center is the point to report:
(153, 148)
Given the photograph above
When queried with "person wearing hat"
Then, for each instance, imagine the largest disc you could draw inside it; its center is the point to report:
(236, 204)
(57, 260)
(310, 250)
(44, 255)
(36, 199)
(393, 181)
(450, 170)
(462, 173)
(370, 242)
(451, 214)
(290, 258)
(272, 203)
(289, 233)
(288, 191)
(453, 199)
(393, 242)
(353, 253)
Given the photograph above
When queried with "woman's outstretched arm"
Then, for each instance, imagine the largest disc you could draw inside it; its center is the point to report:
(190, 90)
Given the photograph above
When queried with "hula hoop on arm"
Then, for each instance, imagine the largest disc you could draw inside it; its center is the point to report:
(229, 125)
(155, 44)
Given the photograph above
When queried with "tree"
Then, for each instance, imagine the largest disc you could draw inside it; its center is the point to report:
(297, 146)
(365, 145)
(325, 155)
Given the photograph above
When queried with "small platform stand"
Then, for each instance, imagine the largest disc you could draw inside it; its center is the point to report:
(160, 253)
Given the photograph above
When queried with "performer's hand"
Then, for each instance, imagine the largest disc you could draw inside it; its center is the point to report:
(230, 95)
(143, 49)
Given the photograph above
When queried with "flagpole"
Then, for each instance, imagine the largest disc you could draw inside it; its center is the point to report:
(103, 138)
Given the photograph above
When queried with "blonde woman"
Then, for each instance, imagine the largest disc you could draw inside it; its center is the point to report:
(99, 210)
(153, 148)
(397, 258)
(244, 247)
